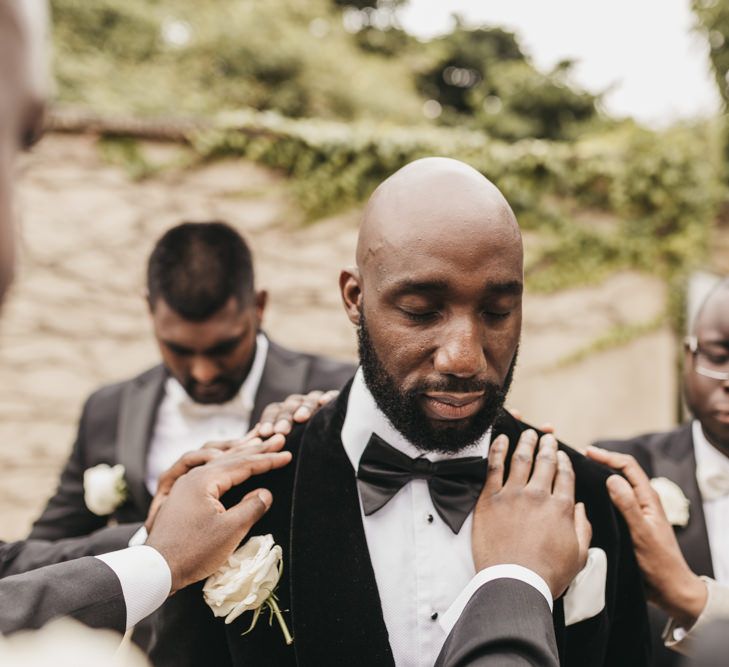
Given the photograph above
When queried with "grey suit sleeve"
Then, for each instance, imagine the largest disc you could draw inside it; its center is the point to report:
(85, 589)
(507, 623)
(27, 555)
(66, 514)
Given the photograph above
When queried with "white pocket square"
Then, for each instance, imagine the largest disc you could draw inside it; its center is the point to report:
(585, 596)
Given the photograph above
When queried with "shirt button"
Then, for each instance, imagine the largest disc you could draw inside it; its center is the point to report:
(434, 616)
(429, 518)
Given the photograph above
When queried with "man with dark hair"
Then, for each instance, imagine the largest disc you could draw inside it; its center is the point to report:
(376, 517)
(197, 266)
(695, 458)
(219, 371)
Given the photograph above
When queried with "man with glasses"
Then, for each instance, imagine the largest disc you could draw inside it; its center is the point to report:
(695, 456)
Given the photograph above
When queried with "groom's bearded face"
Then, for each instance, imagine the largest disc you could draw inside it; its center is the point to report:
(403, 406)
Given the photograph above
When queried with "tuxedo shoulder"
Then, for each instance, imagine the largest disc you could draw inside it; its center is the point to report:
(323, 372)
(585, 468)
(110, 393)
(646, 445)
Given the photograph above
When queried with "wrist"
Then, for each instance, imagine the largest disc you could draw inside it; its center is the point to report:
(688, 601)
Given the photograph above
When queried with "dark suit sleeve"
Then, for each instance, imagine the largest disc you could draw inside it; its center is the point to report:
(66, 514)
(507, 623)
(85, 589)
(27, 555)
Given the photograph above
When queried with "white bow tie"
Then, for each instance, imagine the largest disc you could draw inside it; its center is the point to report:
(713, 482)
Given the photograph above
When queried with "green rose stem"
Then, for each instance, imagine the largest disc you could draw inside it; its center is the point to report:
(279, 617)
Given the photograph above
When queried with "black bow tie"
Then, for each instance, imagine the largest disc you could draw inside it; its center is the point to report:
(454, 484)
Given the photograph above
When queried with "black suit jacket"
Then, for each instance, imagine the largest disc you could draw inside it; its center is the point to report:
(671, 455)
(329, 584)
(85, 589)
(117, 424)
(507, 623)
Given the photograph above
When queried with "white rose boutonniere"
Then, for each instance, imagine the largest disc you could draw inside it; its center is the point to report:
(104, 488)
(247, 581)
(675, 503)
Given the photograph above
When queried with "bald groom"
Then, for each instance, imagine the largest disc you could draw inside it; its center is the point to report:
(375, 515)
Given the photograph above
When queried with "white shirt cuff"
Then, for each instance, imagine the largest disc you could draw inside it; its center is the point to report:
(505, 571)
(145, 580)
(139, 538)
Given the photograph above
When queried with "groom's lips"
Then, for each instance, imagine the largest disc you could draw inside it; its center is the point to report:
(452, 406)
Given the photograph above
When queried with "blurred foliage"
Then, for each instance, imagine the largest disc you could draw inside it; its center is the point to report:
(483, 79)
(625, 198)
(186, 57)
(336, 96)
(338, 60)
(713, 16)
(713, 22)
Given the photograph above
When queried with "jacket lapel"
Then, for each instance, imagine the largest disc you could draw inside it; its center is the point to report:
(137, 413)
(676, 461)
(337, 613)
(284, 373)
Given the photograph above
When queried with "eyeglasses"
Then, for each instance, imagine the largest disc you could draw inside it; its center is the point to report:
(709, 364)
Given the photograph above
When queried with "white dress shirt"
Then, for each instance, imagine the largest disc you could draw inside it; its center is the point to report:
(421, 567)
(715, 511)
(183, 425)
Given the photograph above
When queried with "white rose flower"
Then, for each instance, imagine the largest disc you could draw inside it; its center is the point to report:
(104, 488)
(246, 580)
(675, 503)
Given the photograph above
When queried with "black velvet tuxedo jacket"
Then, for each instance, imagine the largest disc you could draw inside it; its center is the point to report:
(329, 585)
(671, 455)
(117, 426)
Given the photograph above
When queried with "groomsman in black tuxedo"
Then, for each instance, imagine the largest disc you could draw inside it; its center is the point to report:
(375, 517)
(219, 372)
(695, 456)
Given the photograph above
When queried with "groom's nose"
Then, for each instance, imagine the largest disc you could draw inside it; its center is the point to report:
(461, 352)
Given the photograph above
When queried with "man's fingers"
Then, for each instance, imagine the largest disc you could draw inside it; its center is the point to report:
(545, 466)
(309, 405)
(495, 472)
(220, 445)
(278, 417)
(249, 510)
(623, 497)
(328, 396)
(257, 446)
(252, 437)
(583, 528)
(183, 465)
(522, 459)
(564, 480)
(236, 469)
(627, 464)
(547, 427)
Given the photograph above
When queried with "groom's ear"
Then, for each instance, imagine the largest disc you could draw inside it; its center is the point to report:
(351, 289)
